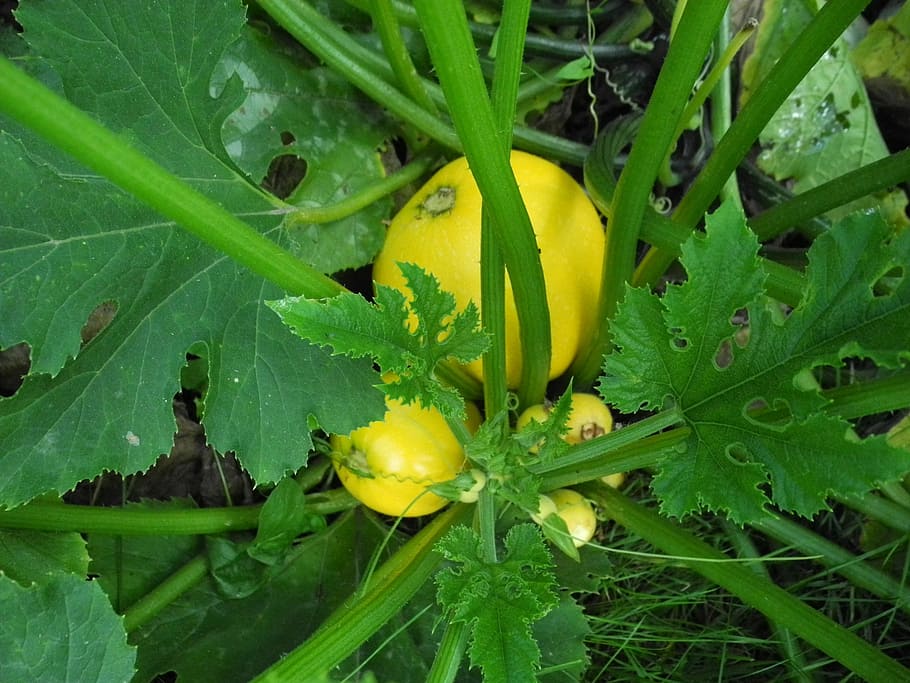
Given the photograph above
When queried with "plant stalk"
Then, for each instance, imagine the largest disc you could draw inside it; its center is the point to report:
(681, 67)
(390, 588)
(155, 601)
(453, 53)
(57, 516)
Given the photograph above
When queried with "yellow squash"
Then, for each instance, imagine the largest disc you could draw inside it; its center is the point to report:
(389, 464)
(439, 230)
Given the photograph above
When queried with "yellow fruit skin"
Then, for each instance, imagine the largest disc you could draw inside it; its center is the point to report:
(407, 451)
(569, 234)
(589, 418)
(577, 513)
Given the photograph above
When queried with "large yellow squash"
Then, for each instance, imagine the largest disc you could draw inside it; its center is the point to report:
(439, 230)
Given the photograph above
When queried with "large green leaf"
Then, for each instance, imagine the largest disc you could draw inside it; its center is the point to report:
(61, 630)
(826, 126)
(686, 351)
(69, 240)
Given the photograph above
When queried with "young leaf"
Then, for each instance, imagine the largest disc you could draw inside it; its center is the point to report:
(500, 601)
(70, 241)
(405, 339)
(284, 517)
(685, 351)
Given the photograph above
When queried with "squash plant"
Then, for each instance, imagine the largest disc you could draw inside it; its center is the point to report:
(138, 148)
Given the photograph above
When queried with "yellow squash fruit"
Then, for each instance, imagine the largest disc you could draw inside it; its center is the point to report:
(588, 419)
(389, 464)
(575, 511)
(439, 230)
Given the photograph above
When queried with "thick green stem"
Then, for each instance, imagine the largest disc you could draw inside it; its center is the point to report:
(789, 646)
(682, 66)
(451, 652)
(875, 177)
(385, 24)
(453, 53)
(43, 111)
(860, 573)
(774, 602)
(503, 99)
(44, 516)
(637, 446)
(154, 602)
(390, 588)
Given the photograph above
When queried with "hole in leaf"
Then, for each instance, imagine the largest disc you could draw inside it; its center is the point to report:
(287, 138)
(284, 175)
(678, 339)
(14, 364)
(737, 455)
(723, 357)
(775, 415)
(886, 284)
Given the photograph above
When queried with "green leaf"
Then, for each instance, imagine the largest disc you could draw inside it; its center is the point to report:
(500, 601)
(62, 630)
(284, 517)
(293, 112)
(561, 635)
(685, 351)
(70, 241)
(406, 339)
(202, 636)
(34, 556)
(826, 126)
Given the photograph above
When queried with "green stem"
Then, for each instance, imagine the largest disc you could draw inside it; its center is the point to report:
(390, 588)
(313, 473)
(44, 516)
(385, 24)
(414, 170)
(671, 92)
(503, 99)
(637, 446)
(450, 653)
(789, 646)
(774, 602)
(454, 57)
(875, 177)
(860, 574)
(321, 37)
(722, 96)
(728, 50)
(889, 513)
(154, 602)
(861, 398)
(43, 111)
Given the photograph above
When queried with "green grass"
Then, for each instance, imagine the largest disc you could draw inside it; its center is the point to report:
(654, 620)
